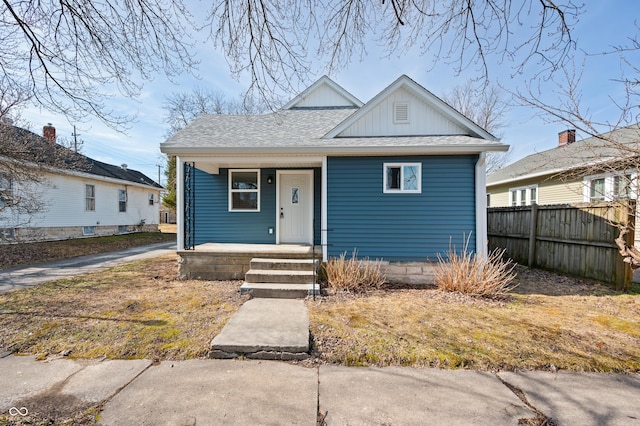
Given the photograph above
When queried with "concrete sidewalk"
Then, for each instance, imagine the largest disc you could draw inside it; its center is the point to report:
(16, 278)
(241, 392)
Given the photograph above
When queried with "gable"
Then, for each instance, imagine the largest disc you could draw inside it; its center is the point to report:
(324, 93)
(405, 108)
(402, 113)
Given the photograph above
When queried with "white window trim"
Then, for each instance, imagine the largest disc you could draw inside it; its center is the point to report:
(89, 230)
(86, 198)
(126, 200)
(609, 189)
(528, 201)
(401, 190)
(231, 190)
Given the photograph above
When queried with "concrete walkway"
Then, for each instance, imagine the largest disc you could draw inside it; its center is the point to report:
(265, 329)
(16, 278)
(241, 392)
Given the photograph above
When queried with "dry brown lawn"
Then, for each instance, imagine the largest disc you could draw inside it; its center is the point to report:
(140, 310)
(553, 323)
(29, 253)
(137, 310)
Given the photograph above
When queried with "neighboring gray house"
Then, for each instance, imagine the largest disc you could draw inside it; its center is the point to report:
(397, 178)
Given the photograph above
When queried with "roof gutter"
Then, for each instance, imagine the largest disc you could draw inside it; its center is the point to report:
(335, 150)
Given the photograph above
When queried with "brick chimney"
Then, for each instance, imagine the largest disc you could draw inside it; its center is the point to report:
(49, 133)
(567, 137)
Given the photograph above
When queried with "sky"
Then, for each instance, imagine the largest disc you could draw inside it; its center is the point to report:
(603, 24)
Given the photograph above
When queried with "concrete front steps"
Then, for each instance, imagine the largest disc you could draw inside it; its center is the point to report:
(281, 278)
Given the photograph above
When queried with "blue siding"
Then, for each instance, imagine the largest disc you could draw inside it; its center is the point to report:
(215, 223)
(400, 227)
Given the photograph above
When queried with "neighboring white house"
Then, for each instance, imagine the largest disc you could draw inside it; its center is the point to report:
(91, 200)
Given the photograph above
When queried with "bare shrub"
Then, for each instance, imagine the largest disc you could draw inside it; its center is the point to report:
(476, 275)
(354, 275)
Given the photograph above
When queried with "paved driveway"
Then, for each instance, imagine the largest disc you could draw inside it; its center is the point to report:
(16, 278)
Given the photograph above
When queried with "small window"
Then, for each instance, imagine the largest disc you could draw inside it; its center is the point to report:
(244, 190)
(88, 230)
(596, 190)
(90, 198)
(6, 192)
(7, 234)
(622, 187)
(150, 199)
(123, 229)
(122, 200)
(401, 113)
(403, 177)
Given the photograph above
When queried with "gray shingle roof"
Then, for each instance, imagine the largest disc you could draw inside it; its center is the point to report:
(291, 129)
(581, 153)
(35, 148)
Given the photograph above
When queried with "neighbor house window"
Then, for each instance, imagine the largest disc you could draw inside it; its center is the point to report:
(150, 199)
(122, 200)
(88, 230)
(610, 187)
(90, 198)
(5, 191)
(244, 190)
(402, 178)
(523, 196)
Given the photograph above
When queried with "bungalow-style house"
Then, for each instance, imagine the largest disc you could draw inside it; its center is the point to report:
(397, 178)
(590, 170)
(73, 195)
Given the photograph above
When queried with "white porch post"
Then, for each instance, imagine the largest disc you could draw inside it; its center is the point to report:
(323, 211)
(481, 205)
(180, 201)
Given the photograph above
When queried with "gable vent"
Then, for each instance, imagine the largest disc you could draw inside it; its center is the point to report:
(401, 112)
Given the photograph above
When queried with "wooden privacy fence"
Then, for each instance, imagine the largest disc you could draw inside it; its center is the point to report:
(574, 239)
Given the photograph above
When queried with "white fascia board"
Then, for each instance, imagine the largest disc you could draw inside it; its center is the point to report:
(323, 80)
(268, 153)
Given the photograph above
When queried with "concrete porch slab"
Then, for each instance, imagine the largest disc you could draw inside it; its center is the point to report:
(278, 326)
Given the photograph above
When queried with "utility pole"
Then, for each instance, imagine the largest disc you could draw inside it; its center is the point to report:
(159, 174)
(75, 138)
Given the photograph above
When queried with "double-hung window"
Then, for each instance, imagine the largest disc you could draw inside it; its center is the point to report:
(244, 190)
(122, 200)
(610, 187)
(90, 198)
(402, 178)
(5, 191)
(151, 199)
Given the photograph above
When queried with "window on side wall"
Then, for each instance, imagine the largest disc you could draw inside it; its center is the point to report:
(90, 198)
(122, 200)
(151, 199)
(402, 178)
(244, 190)
(523, 196)
(6, 192)
(610, 187)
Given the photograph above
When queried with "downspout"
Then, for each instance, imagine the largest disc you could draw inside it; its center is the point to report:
(180, 201)
(481, 205)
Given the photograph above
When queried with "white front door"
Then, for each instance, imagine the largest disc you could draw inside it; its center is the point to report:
(295, 206)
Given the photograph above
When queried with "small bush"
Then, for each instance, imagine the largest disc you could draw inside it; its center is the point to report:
(490, 276)
(354, 275)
